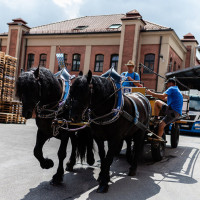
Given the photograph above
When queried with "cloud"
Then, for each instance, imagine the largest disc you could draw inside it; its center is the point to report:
(181, 15)
(71, 8)
(65, 3)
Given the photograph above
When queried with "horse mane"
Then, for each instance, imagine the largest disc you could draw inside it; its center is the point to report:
(50, 86)
(103, 87)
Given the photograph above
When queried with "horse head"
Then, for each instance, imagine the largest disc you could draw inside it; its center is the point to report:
(91, 93)
(37, 86)
(79, 97)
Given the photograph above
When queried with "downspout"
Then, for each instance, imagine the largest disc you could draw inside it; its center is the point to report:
(25, 54)
(158, 62)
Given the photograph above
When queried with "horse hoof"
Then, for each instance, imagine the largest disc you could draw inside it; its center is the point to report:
(55, 183)
(48, 163)
(69, 167)
(132, 173)
(102, 189)
(57, 179)
(90, 161)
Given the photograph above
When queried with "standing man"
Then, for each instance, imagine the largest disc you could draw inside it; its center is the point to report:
(173, 109)
(132, 77)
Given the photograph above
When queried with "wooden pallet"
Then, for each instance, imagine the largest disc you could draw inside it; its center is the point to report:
(10, 68)
(9, 85)
(9, 118)
(13, 107)
(10, 61)
(7, 91)
(7, 98)
(9, 74)
(2, 58)
(1, 72)
(9, 80)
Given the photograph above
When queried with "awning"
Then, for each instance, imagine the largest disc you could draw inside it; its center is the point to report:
(189, 77)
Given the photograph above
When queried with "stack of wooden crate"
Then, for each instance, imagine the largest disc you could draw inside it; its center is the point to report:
(10, 111)
(2, 63)
(9, 78)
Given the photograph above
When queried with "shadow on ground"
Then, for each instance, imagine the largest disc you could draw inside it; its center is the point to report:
(82, 183)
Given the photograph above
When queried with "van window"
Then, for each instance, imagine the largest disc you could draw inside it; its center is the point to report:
(194, 104)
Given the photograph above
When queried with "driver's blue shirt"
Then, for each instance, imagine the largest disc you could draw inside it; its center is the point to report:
(135, 76)
(174, 99)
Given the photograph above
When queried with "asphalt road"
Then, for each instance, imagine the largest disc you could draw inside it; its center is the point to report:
(176, 177)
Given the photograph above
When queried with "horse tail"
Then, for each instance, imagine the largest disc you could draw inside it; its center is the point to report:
(85, 144)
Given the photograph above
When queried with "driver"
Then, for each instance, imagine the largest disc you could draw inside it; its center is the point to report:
(131, 76)
(173, 109)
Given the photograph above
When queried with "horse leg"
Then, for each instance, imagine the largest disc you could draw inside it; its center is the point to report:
(120, 148)
(129, 154)
(58, 177)
(45, 163)
(102, 153)
(72, 160)
(105, 166)
(90, 154)
(136, 152)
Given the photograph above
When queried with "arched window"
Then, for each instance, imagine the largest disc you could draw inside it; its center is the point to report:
(30, 61)
(174, 68)
(76, 62)
(99, 59)
(170, 65)
(43, 60)
(65, 59)
(149, 60)
(114, 61)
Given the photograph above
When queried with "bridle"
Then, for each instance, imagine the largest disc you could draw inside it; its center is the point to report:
(114, 114)
(54, 108)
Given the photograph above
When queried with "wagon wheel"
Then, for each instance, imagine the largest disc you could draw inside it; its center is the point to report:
(175, 132)
(158, 149)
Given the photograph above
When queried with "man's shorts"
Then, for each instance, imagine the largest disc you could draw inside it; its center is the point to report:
(170, 114)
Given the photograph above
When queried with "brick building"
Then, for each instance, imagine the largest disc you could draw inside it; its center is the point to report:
(99, 42)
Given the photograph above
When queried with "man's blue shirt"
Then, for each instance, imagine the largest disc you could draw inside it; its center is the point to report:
(174, 98)
(135, 76)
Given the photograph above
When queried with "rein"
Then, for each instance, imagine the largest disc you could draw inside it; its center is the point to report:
(59, 124)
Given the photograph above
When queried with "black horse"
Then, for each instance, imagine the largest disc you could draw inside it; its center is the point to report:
(39, 88)
(97, 95)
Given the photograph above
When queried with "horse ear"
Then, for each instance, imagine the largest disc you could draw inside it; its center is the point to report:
(80, 73)
(89, 77)
(37, 72)
(22, 70)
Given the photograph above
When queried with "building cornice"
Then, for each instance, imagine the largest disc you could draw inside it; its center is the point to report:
(82, 33)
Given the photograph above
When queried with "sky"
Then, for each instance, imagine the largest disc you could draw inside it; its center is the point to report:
(181, 15)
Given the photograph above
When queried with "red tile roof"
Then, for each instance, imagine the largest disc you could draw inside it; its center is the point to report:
(94, 24)
(152, 26)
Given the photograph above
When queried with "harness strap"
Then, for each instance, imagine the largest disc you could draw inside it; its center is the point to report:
(57, 107)
(135, 120)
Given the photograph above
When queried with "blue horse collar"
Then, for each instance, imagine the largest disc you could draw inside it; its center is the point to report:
(65, 77)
